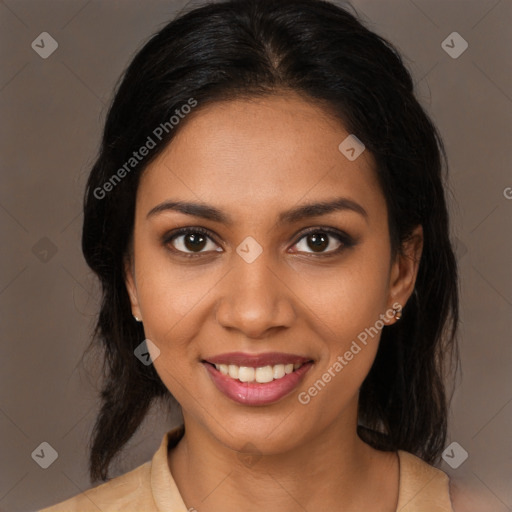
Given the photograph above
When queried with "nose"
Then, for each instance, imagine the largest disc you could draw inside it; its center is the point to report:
(254, 299)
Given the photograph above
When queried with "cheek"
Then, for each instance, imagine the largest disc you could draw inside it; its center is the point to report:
(167, 309)
(350, 325)
(347, 307)
(171, 305)
(169, 292)
(352, 296)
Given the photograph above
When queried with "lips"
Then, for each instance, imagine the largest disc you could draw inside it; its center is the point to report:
(252, 392)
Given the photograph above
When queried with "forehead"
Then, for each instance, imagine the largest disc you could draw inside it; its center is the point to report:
(259, 153)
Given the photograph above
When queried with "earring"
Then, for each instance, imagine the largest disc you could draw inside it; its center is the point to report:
(397, 313)
(137, 318)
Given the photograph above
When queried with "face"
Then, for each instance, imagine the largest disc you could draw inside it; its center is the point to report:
(256, 283)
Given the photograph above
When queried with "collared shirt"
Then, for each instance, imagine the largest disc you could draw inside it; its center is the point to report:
(151, 487)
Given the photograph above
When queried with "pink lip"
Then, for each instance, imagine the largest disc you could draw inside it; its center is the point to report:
(257, 360)
(254, 393)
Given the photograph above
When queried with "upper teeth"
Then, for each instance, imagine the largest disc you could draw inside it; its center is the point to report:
(261, 374)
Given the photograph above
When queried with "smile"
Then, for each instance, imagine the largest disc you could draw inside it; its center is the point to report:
(257, 379)
(261, 374)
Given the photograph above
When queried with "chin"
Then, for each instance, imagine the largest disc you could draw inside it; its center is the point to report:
(269, 431)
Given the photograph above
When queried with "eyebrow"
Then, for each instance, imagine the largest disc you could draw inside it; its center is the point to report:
(288, 217)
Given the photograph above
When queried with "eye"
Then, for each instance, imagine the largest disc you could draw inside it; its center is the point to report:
(190, 241)
(324, 241)
(194, 241)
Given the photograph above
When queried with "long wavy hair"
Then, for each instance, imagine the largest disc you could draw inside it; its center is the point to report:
(250, 48)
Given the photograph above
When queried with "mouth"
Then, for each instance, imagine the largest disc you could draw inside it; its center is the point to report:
(260, 374)
(257, 379)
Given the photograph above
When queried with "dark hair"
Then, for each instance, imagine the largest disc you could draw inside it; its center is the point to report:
(247, 48)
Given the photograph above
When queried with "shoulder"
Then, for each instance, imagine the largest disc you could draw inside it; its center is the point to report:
(133, 491)
(423, 487)
(128, 492)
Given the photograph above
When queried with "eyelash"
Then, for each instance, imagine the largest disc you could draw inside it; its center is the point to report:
(345, 240)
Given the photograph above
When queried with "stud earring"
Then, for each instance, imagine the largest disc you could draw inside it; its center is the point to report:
(397, 313)
(137, 318)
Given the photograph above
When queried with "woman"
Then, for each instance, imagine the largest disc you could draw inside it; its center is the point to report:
(268, 221)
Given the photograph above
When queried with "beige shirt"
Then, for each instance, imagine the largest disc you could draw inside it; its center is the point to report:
(151, 487)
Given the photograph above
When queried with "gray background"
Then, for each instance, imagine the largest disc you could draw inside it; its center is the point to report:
(52, 113)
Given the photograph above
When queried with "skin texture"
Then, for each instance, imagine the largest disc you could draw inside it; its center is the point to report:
(253, 159)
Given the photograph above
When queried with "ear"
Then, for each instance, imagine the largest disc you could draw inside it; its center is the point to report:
(131, 287)
(404, 270)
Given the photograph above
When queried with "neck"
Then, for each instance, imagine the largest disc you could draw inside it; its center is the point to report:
(351, 475)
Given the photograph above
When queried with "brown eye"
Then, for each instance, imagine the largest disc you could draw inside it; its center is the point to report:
(318, 241)
(323, 241)
(190, 241)
(194, 241)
